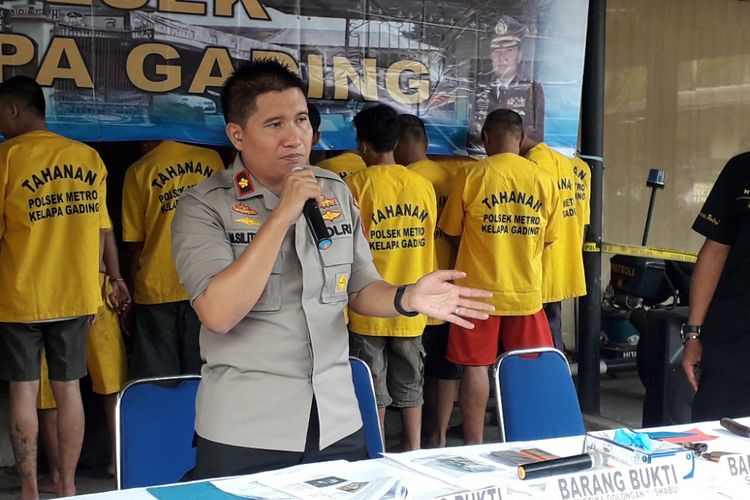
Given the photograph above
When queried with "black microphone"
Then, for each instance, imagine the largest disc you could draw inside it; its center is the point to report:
(563, 465)
(315, 221)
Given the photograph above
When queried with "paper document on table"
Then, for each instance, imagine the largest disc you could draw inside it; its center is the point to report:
(467, 468)
(337, 479)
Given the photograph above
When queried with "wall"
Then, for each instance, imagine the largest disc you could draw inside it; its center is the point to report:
(677, 99)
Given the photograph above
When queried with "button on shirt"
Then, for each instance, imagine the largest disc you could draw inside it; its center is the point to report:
(260, 378)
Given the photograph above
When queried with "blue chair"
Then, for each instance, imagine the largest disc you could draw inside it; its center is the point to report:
(536, 397)
(154, 427)
(368, 406)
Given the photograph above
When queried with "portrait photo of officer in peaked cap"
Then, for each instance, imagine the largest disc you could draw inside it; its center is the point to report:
(502, 87)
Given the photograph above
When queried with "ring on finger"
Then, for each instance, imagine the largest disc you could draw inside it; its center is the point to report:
(457, 309)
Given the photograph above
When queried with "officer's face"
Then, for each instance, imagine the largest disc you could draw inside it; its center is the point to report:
(275, 137)
(505, 62)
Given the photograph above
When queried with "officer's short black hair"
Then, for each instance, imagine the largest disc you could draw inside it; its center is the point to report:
(26, 93)
(251, 80)
(412, 128)
(503, 121)
(378, 126)
(314, 116)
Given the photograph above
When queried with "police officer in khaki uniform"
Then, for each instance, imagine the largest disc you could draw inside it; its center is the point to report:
(276, 388)
(503, 88)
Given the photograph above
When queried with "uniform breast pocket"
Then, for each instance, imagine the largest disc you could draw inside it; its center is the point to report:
(337, 268)
(270, 299)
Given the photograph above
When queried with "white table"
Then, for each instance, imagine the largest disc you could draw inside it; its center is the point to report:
(702, 486)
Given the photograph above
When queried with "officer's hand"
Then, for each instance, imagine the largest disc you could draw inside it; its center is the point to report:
(691, 358)
(435, 296)
(298, 187)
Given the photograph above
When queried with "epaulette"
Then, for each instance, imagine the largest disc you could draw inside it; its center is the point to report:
(222, 180)
(327, 174)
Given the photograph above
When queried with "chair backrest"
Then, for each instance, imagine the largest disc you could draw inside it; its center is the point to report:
(154, 427)
(368, 406)
(536, 397)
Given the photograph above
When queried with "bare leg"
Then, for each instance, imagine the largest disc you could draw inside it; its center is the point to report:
(109, 411)
(48, 436)
(475, 390)
(444, 399)
(24, 430)
(70, 424)
(429, 411)
(411, 424)
(381, 414)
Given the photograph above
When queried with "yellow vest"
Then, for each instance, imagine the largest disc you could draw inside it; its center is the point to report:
(441, 178)
(562, 262)
(582, 175)
(399, 213)
(505, 209)
(53, 204)
(151, 190)
(344, 164)
(453, 163)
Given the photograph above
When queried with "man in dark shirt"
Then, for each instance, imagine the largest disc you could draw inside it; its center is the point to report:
(717, 334)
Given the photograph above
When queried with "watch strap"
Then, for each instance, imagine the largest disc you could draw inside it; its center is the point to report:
(397, 303)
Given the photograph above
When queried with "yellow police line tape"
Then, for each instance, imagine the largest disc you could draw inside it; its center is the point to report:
(639, 251)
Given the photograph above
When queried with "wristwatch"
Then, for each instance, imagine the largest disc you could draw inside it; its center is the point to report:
(689, 332)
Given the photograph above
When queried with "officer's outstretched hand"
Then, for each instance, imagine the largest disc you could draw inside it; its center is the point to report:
(299, 186)
(435, 296)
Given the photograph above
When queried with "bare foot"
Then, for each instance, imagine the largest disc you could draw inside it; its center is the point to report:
(68, 491)
(47, 485)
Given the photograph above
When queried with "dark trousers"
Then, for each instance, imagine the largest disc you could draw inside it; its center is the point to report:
(219, 460)
(165, 340)
(553, 310)
(724, 381)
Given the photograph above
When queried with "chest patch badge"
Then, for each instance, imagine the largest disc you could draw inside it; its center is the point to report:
(247, 221)
(328, 202)
(341, 283)
(243, 183)
(243, 209)
(331, 215)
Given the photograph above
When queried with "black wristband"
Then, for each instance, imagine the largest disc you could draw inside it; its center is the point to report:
(397, 303)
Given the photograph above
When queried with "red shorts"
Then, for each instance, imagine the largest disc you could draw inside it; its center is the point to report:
(482, 345)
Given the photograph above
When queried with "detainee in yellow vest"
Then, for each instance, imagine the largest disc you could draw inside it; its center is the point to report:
(505, 209)
(582, 175)
(165, 327)
(53, 213)
(453, 163)
(105, 360)
(440, 374)
(562, 263)
(344, 164)
(399, 213)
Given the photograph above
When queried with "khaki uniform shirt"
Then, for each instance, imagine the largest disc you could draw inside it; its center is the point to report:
(260, 378)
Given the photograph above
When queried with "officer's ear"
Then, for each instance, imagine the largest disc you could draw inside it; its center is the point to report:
(234, 133)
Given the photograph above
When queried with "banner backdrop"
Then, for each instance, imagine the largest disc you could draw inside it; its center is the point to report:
(153, 69)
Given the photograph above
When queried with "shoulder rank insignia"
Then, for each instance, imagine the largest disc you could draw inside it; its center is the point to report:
(243, 209)
(243, 183)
